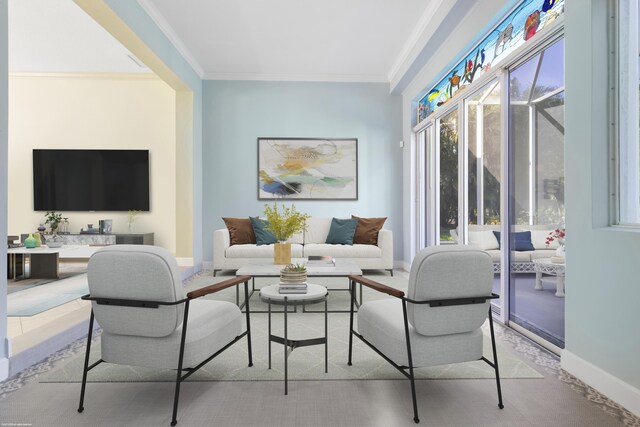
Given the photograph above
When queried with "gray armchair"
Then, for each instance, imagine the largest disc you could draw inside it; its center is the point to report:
(438, 321)
(138, 300)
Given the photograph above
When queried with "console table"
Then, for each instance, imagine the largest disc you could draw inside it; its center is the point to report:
(108, 239)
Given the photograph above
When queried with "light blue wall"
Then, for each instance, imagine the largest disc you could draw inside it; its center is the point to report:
(236, 113)
(603, 285)
(138, 20)
(4, 108)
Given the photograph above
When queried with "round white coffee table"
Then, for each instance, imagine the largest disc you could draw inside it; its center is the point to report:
(545, 266)
(315, 294)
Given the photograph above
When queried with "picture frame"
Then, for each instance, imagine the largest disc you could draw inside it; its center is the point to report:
(307, 168)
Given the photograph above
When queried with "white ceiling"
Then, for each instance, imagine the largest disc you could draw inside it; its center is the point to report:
(58, 36)
(326, 40)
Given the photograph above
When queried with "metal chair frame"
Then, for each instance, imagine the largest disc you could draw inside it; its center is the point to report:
(180, 377)
(407, 371)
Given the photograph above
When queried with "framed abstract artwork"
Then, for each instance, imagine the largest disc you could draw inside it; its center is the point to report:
(308, 168)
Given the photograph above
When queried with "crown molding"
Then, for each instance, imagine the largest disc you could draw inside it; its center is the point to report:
(345, 78)
(87, 75)
(164, 26)
(414, 38)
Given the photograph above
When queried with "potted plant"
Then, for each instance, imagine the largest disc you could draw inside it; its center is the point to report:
(53, 219)
(283, 224)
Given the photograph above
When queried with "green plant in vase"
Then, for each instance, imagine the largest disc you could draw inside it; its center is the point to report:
(131, 218)
(53, 219)
(284, 224)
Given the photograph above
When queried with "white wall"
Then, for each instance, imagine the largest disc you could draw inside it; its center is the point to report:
(4, 64)
(602, 316)
(236, 113)
(91, 112)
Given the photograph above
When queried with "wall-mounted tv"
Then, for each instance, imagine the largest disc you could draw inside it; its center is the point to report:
(90, 180)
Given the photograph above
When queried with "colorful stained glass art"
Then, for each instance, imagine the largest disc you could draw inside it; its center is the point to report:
(519, 26)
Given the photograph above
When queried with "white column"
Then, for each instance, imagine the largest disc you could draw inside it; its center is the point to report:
(4, 124)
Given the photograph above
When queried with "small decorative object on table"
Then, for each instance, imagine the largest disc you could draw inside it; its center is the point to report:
(55, 241)
(53, 219)
(131, 217)
(558, 235)
(293, 279)
(30, 242)
(283, 225)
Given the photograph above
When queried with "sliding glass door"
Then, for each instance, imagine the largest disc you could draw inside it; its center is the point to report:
(536, 116)
(483, 131)
(447, 167)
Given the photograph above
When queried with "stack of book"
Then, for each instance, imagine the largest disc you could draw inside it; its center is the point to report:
(321, 261)
(293, 282)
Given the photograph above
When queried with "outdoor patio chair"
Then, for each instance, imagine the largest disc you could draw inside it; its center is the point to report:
(439, 320)
(138, 300)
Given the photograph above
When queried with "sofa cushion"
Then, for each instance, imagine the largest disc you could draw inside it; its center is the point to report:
(523, 256)
(342, 231)
(522, 240)
(263, 236)
(259, 251)
(539, 239)
(367, 230)
(317, 230)
(542, 253)
(342, 251)
(485, 240)
(240, 230)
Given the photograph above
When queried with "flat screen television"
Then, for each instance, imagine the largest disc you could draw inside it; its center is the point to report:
(90, 180)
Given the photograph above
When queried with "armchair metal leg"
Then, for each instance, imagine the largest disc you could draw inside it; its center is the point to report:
(246, 298)
(390, 270)
(86, 364)
(174, 420)
(495, 360)
(352, 294)
(410, 360)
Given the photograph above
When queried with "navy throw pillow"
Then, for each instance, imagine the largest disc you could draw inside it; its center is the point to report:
(342, 231)
(263, 236)
(522, 240)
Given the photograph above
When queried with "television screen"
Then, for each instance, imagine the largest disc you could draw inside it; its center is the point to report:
(90, 180)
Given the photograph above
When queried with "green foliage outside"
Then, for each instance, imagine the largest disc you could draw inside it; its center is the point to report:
(286, 222)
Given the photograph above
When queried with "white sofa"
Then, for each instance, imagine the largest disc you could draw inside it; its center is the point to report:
(482, 237)
(311, 242)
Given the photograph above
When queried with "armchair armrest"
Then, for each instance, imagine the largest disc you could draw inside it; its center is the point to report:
(217, 287)
(377, 286)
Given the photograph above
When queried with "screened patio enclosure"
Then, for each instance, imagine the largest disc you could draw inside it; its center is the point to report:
(496, 155)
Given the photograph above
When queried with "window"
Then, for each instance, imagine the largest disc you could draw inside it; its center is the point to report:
(628, 98)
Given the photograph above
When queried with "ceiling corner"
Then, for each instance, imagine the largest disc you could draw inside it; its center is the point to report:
(167, 30)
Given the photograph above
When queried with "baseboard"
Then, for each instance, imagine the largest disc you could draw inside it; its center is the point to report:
(612, 387)
(42, 350)
(4, 368)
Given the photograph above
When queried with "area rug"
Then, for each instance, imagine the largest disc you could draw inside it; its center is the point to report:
(36, 299)
(306, 363)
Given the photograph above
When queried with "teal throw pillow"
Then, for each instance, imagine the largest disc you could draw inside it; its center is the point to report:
(263, 236)
(342, 231)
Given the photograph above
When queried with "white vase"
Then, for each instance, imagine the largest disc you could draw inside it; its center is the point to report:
(560, 251)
